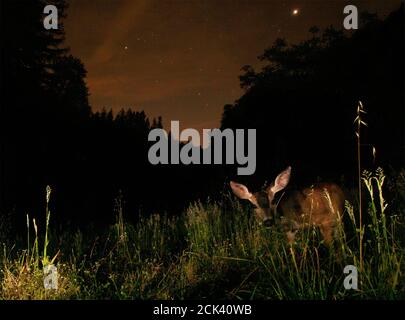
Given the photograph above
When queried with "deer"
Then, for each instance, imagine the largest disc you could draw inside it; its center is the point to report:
(320, 205)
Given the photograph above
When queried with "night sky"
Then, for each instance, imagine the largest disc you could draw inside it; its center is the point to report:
(182, 59)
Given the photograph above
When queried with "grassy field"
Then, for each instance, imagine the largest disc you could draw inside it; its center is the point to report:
(215, 250)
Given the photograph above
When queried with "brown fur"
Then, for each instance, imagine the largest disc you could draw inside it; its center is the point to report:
(320, 205)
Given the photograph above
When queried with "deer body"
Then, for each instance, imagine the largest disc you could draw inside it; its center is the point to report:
(319, 205)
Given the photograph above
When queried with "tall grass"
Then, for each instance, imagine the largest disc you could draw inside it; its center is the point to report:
(217, 250)
(22, 270)
(359, 122)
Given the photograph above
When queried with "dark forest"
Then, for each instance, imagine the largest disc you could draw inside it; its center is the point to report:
(302, 103)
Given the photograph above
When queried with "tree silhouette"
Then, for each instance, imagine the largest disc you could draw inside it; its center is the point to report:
(303, 100)
(302, 103)
(44, 105)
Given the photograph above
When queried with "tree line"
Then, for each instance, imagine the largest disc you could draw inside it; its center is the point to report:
(302, 104)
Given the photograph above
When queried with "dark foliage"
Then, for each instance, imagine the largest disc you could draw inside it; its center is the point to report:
(302, 104)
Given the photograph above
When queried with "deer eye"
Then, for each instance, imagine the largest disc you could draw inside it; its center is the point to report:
(263, 203)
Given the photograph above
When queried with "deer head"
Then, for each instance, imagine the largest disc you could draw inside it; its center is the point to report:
(263, 201)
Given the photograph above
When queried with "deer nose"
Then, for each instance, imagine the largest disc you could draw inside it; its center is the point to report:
(267, 223)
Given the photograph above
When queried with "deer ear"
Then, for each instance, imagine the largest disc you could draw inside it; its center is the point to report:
(240, 190)
(281, 181)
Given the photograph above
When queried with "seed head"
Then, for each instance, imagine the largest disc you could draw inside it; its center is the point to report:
(48, 193)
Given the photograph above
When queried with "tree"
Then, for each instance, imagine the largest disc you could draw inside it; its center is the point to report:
(303, 100)
(44, 99)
